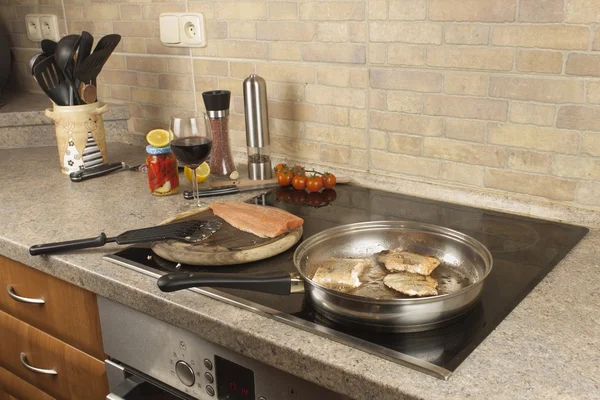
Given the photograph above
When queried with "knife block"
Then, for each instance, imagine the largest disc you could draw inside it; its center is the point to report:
(80, 136)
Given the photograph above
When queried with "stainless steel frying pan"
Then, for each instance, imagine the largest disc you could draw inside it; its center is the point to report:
(465, 263)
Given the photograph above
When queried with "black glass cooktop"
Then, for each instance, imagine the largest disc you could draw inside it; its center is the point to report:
(524, 251)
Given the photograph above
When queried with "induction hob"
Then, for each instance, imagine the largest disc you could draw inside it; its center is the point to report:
(524, 250)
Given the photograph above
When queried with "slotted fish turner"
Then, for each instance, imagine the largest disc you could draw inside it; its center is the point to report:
(187, 231)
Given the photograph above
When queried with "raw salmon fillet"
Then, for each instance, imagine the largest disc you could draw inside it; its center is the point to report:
(262, 221)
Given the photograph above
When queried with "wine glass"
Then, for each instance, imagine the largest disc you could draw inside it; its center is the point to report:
(191, 146)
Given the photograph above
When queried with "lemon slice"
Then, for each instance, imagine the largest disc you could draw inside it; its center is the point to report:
(158, 138)
(202, 172)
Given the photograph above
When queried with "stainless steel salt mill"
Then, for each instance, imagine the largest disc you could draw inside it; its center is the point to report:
(257, 128)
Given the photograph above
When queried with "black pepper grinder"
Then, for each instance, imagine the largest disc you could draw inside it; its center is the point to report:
(217, 121)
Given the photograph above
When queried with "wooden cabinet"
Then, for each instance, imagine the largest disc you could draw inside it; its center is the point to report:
(14, 388)
(68, 313)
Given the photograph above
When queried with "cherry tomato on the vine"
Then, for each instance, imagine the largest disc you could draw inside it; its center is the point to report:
(329, 180)
(299, 182)
(285, 178)
(314, 184)
(280, 167)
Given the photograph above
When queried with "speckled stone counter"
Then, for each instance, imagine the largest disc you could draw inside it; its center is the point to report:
(547, 348)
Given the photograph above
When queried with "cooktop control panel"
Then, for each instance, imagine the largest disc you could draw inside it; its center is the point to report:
(194, 366)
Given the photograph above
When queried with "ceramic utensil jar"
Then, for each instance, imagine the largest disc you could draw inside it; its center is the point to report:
(257, 128)
(217, 120)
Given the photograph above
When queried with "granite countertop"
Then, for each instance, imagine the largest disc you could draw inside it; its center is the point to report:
(547, 348)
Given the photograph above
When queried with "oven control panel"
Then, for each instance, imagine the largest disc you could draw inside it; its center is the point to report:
(196, 367)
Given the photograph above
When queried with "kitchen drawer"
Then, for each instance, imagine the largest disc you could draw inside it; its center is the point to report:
(14, 388)
(78, 375)
(68, 313)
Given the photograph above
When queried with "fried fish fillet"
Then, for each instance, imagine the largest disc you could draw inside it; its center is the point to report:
(412, 284)
(406, 261)
(341, 274)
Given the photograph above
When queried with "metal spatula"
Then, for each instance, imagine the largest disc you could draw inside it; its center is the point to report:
(187, 231)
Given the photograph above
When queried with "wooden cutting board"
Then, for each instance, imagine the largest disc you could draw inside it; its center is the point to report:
(227, 246)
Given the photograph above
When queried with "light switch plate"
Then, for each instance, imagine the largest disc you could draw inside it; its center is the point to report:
(182, 29)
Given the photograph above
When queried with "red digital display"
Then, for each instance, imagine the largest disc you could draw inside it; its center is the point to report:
(234, 382)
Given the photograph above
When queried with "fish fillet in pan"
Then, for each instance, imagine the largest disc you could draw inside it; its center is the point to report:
(341, 274)
(406, 261)
(412, 284)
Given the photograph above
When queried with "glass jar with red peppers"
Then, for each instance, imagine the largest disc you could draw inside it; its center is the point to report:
(163, 176)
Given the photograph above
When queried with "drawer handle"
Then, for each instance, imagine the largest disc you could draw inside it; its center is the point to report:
(34, 369)
(14, 296)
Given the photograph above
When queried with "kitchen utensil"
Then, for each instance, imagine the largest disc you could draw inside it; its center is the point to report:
(52, 81)
(48, 46)
(257, 128)
(187, 231)
(101, 170)
(465, 263)
(109, 43)
(217, 121)
(35, 60)
(92, 65)
(88, 93)
(85, 49)
(65, 50)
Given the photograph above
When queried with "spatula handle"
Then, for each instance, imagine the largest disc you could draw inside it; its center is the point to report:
(275, 283)
(48, 248)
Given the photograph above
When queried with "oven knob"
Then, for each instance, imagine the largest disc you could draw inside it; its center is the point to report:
(185, 373)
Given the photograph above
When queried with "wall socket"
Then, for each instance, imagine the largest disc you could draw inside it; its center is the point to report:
(182, 29)
(41, 26)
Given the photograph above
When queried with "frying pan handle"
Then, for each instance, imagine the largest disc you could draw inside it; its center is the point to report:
(47, 248)
(275, 284)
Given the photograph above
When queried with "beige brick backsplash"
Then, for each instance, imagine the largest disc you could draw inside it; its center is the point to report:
(539, 61)
(282, 127)
(334, 154)
(237, 10)
(333, 76)
(541, 10)
(290, 31)
(531, 113)
(358, 118)
(407, 102)
(299, 149)
(407, 10)
(142, 29)
(471, 58)
(582, 11)
(462, 84)
(473, 10)
(590, 144)
(466, 107)
(332, 116)
(154, 46)
(402, 54)
(357, 32)
(112, 77)
(97, 11)
(405, 165)
(588, 193)
(405, 144)
(378, 9)
(596, 40)
(285, 91)
(359, 78)
(116, 61)
(243, 49)
(406, 123)
(467, 130)
(175, 82)
(133, 45)
(529, 161)
(359, 159)
(537, 89)
(583, 64)
(536, 185)
(345, 97)
(418, 81)
(211, 67)
(336, 135)
(292, 111)
(576, 167)
(332, 10)
(564, 37)
(151, 96)
(533, 137)
(377, 139)
(406, 32)
(275, 72)
(287, 51)
(333, 32)
(336, 53)
(131, 12)
(471, 153)
(146, 64)
(463, 173)
(120, 93)
(577, 117)
(283, 11)
(245, 30)
(378, 53)
(179, 65)
(466, 34)
(378, 99)
(233, 85)
(593, 92)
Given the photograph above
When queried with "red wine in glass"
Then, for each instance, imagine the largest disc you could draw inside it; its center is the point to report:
(191, 150)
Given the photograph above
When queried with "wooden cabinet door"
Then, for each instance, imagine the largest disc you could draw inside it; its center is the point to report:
(78, 375)
(15, 388)
(69, 313)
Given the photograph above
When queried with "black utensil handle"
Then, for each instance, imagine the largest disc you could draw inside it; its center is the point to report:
(47, 248)
(229, 189)
(275, 284)
(84, 174)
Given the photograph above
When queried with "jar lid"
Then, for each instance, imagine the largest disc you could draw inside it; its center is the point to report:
(158, 150)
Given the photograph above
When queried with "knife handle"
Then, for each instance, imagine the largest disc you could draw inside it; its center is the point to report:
(229, 189)
(84, 174)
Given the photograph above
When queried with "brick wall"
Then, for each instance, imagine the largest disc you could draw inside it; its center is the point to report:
(495, 94)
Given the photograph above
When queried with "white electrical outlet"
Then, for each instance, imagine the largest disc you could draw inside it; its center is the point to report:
(41, 26)
(182, 29)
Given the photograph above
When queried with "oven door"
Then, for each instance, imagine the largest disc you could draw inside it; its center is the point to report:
(128, 384)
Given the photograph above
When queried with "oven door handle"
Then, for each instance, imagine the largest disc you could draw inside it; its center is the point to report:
(125, 388)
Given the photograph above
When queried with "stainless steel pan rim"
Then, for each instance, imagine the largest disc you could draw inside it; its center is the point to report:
(344, 230)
